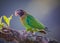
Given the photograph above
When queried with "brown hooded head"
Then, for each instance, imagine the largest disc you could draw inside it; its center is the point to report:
(19, 12)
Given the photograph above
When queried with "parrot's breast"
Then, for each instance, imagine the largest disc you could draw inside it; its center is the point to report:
(23, 21)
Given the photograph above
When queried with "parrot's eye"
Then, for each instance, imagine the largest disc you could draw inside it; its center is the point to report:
(21, 12)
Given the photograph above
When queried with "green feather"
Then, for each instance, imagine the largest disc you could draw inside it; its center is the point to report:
(33, 23)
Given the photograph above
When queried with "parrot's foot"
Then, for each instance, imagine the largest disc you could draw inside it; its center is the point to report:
(29, 30)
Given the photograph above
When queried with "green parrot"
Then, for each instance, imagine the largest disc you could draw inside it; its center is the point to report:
(30, 23)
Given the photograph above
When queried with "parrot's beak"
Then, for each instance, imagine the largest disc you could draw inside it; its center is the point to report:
(16, 14)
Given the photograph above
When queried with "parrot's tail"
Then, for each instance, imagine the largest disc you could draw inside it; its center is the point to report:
(44, 31)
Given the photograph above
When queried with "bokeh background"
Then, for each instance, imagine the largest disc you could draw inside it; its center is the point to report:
(46, 11)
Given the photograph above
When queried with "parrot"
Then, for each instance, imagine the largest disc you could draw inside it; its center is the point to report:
(29, 22)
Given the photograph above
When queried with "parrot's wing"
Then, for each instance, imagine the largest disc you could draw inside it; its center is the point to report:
(31, 21)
